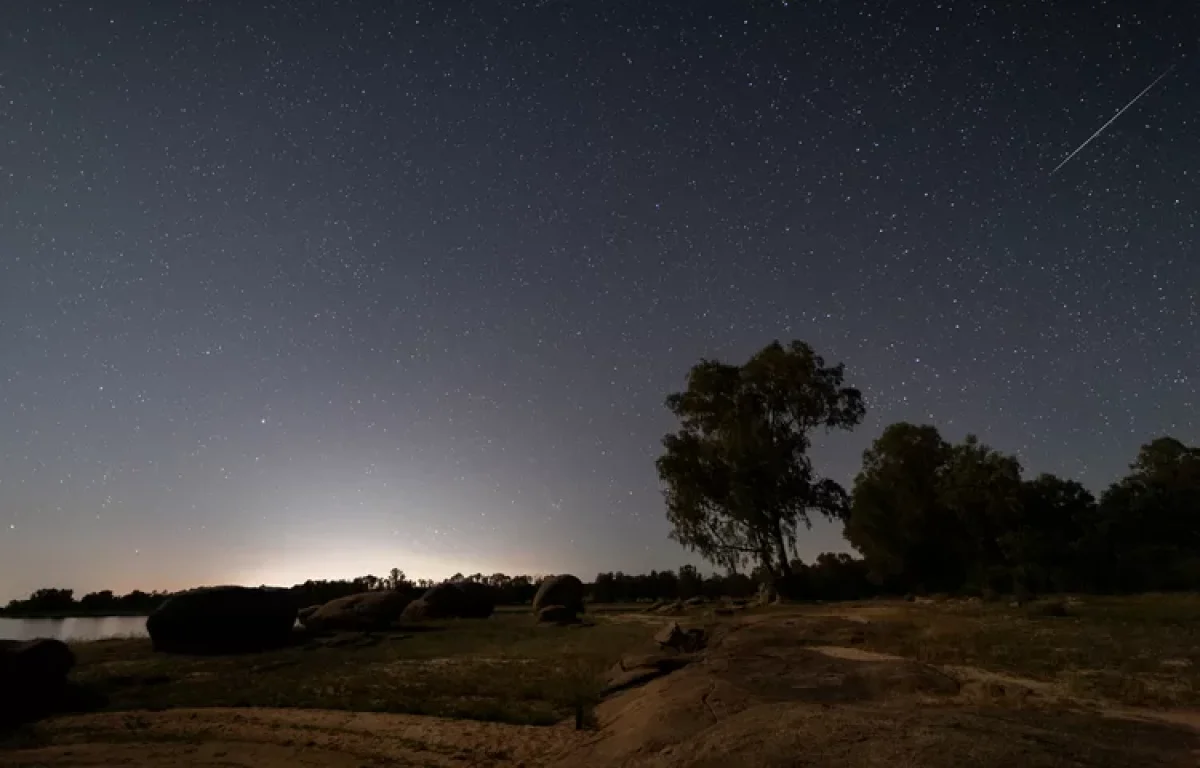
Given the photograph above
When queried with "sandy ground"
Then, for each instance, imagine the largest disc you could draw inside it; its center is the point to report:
(756, 697)
(278, 738)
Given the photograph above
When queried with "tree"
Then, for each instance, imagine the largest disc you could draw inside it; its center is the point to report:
(50, 600)
(982, 489)
(1049, 544)
(928, 515)
(897, 519)
(737, 475)
(395, 579)
(1150, 530)
(95, 601)
(691, 583)
(836, 576)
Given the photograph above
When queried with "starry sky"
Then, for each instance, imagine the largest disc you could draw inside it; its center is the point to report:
(315, 289)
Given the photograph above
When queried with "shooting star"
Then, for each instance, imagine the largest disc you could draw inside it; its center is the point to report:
(1113, 118)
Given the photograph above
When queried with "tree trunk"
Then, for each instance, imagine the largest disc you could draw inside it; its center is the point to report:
(785, 567)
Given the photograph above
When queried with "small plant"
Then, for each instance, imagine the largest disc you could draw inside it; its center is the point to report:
(583, 687)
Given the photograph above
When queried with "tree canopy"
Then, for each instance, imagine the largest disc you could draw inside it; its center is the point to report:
(898, 519)
(737, 477)
(929, 515)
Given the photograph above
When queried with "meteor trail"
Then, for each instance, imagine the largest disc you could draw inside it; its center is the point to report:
(1114, 117)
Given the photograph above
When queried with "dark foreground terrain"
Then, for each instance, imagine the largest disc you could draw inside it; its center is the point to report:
(951, 683)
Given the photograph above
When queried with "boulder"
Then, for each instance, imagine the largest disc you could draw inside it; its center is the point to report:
(633, 671)
(479, 602)
(672, 609)
(726, 607)
(678, 639)
(565, 590)
(766, 593)
(417, 610)
(33, 678)
(443, 601)
(303, 614)
(556, 614)
(363, 612)
(223, 620)
(453, 600)
(459, 600)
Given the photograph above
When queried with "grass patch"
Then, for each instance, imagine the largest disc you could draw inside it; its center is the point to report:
(504, 669)
(1140, 650)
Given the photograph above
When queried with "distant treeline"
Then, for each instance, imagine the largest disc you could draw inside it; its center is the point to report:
(832, 577)
(62, 602)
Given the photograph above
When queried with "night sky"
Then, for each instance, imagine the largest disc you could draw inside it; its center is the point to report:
(325, 288)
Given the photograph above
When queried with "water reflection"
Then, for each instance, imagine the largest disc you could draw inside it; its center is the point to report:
(74, 629)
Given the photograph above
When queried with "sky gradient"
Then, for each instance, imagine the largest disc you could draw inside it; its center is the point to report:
(318, 289)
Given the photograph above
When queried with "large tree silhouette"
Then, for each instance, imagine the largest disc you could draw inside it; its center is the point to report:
(737, 475)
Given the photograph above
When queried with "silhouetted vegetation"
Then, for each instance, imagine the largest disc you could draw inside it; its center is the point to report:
(932, 516)
(738, 479)
(508, 590)
(62, 602)
(926, 515)
(833, 576)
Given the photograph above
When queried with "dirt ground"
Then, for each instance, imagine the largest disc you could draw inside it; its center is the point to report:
(285, 738)
(762, 694)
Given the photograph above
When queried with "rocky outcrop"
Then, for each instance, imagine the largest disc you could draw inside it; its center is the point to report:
(417, 610)
(564, 590)
(453, 600)
(766, 593)
(679, 639)
(556, 614)
(363, 612)
(639, 669)
(223, 620)
(459, 600)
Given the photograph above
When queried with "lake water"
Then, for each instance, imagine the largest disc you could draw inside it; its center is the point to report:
(71, 630)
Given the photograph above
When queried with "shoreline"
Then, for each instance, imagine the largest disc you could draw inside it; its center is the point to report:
(59, 616)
